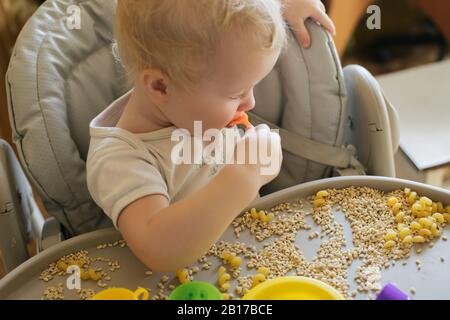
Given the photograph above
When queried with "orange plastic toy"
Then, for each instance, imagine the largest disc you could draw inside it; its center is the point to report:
(242, 120)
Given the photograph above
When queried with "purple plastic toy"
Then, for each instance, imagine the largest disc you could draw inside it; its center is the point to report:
(391, 292)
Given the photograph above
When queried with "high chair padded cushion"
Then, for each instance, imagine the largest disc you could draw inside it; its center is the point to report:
(58, 80)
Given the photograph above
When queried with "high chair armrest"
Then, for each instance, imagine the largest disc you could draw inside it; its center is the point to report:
(46, 232)
(395, 124)
(374, 128)
(20, 217)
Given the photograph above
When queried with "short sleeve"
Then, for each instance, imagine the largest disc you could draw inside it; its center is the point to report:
(118, 174)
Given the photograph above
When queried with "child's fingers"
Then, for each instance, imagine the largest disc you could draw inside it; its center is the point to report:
(303, 35)
(321, 17)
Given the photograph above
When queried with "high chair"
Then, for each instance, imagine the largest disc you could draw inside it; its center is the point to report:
(332, 121)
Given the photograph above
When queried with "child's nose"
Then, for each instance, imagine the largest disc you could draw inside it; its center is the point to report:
(248, 103)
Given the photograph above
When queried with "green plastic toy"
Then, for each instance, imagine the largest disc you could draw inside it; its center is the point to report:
(196, 290)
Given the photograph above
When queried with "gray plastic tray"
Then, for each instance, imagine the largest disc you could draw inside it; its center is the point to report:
(431, 282)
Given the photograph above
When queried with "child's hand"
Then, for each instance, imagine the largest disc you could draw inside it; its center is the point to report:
(263, 161)
(297, 11)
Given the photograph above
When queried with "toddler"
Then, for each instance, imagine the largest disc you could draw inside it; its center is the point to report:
(189, 63)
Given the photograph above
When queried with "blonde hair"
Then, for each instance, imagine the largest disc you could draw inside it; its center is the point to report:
(178, 36)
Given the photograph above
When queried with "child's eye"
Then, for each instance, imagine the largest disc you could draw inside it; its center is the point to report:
(238, 97)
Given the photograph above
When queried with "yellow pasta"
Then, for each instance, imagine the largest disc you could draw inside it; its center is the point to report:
(94, 275)
(439, 217)
(396, 207)
(415, 225)
(254, 213)
(221, 270)
(418, 239)
(404, 233)
(265, 271)
(412, 197)
(426, 201)
(425, 232)
(400, 217)
(407, 239)
(224, 278)
(417, 209)
(424, 222)
(392, 201)
(389, 244)
(318, 202)
(390, 235)
(322, 194)
(258, 278)
(225, 287)
(236, 262)
(262, 215)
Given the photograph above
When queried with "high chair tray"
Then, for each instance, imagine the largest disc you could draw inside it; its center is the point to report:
(430, 282)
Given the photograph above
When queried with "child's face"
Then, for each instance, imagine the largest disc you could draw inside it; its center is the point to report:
(226, 92)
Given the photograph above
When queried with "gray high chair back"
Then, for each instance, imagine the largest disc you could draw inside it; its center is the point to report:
(331, 121)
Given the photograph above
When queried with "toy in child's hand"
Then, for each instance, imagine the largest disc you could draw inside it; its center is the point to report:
(241, 121)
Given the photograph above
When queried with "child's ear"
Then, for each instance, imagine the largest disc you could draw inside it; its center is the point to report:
(159, 86)
(155, 84)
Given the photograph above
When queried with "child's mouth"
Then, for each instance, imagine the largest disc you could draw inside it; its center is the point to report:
(241, 119)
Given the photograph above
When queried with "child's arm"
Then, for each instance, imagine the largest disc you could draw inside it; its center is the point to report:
(168, 237)
(297, 11)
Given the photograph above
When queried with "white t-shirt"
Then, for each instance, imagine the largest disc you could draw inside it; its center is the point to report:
(123, 166)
